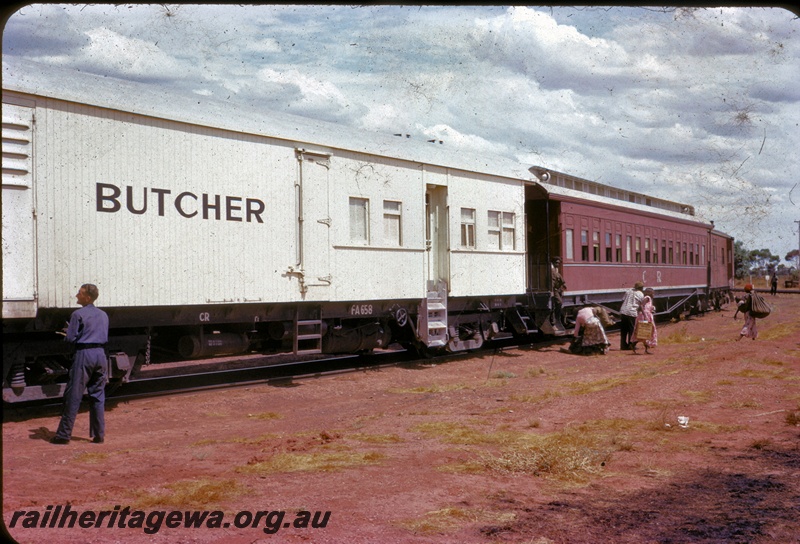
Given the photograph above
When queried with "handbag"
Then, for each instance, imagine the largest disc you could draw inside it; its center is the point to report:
(758, 306)
(644, 329)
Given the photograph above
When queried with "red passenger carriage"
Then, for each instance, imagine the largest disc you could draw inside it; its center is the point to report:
(608, 239)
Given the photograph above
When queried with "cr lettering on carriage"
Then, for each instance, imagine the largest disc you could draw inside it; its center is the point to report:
(110, 199)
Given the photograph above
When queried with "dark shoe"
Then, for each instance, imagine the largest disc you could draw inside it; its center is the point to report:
(57, 440)
(98, 440)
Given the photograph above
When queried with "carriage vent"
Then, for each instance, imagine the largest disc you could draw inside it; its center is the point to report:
(17, 134)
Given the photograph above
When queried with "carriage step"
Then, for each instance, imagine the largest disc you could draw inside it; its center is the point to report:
(308, 336)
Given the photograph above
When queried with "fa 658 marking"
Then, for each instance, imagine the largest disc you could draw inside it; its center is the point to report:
(361, 310)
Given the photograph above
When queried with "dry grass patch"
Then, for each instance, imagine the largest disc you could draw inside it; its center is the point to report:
(436, 388)
(377, 438)
(265, 415)
(680, 335)
(570, 455)
(761, 444)
(547, 395)
(692, 359)
(200, 493)
(697, 397)
(752, 403)
(771, 362)
(604, 384)
(780, 331)
(781, 374)
(713, 428)
(457, 433)
(453, 519)
(535, 372)
(583, 388)
(260, 439)
(311, 462)
(608, 426)
(666, 418)
(93, 457)
(493, 382)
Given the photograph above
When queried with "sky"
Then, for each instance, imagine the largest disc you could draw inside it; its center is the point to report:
(696, 105)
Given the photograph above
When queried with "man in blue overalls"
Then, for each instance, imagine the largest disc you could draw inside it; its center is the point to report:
(88, 330)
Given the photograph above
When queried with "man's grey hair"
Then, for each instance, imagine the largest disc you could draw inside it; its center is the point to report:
(91, 290)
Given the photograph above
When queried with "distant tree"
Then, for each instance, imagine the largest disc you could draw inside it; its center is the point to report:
(757, 262)
(741, 260)
(794, 256)
(762, 261)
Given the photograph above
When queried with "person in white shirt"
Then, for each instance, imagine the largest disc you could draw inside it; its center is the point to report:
(628, 311)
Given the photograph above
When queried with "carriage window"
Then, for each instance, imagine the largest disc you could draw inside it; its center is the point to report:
(509, 231)
(647, 250)
(628, 248)
(684, 254)
(609, 249)
(703, 254)
(392, 224)
(359, 220)
(494, 230)
(596, 246)
(502, 231)
(584, 245)
(655, 251)
(618, 248)
(569, 236)
(467, 227)
(638, 249)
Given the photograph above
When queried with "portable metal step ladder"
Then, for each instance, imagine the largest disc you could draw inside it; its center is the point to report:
(521, 320)
(433, 316)
(307, 333)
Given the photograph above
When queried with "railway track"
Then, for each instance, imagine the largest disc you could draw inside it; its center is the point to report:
(228, 372)
(260, 373)
(219, 373)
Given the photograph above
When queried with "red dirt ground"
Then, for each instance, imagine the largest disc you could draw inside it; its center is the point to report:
(472, 450)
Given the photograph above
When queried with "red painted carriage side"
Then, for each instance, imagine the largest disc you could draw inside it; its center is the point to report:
(606, 249)
(721, 261)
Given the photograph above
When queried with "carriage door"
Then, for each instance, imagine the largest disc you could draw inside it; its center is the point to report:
(432, 323)
(19, 272)
(314, 223)
(436, 235)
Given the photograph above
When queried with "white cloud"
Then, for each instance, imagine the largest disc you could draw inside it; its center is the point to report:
(695, 105)
(108, 50)
(312, 93)
(451, 137)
